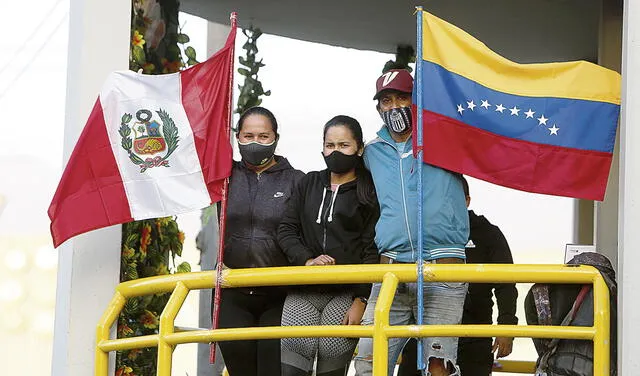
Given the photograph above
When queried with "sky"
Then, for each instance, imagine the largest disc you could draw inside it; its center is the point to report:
(310, 83)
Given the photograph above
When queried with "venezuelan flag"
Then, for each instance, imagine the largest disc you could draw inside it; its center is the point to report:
(544, 128)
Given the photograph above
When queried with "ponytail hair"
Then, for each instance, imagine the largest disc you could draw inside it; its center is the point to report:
(365, 189)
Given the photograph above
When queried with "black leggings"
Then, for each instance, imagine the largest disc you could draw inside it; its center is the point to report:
(247, 308)
(474, 358)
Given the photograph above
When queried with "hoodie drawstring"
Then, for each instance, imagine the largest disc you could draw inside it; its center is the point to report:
(324, 194)
(333, 200)
(332, 205)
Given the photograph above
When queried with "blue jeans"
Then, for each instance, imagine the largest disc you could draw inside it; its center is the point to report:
(443, 304)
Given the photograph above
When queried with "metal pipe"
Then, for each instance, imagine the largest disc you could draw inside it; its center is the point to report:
(110, 315)
(381, 323)
(167, 319)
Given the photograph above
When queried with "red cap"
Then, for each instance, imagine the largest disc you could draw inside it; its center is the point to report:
(394, 79)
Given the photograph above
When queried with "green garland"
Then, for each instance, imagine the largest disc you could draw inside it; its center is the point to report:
(157, 43)
(149, 247)
(405, 54)
(252, 89)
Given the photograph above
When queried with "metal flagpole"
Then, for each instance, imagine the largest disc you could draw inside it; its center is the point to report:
(223, 208)
(418, 125)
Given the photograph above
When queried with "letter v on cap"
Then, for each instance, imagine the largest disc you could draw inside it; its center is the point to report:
(388, 77)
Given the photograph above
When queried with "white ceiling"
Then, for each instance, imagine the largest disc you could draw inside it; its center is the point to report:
(522, 30)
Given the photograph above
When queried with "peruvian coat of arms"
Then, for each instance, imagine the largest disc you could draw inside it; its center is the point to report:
(151, 138)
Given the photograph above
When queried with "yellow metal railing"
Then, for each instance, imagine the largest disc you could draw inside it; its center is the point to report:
(390, 275)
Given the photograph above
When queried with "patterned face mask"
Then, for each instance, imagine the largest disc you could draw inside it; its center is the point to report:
(398, 120)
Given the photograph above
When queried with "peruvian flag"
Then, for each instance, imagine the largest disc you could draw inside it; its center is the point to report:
(153, 146)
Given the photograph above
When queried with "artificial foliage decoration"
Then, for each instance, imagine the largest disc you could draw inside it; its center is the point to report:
(405, 55)
(150, 247)
(158, 44)
(252, 89)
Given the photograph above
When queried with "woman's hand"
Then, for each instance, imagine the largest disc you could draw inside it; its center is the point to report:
(355, 312)
(321, 260)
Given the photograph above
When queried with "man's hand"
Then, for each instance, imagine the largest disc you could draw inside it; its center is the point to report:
(321, 260)
(355, 312)
(503, 345)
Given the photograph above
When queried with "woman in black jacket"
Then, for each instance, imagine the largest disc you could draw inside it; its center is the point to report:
(261, 184)
(330, 220)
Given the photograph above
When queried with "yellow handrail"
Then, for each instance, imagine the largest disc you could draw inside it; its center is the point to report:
(390, 275)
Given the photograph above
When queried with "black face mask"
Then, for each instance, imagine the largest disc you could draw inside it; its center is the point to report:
(340, 163)
(257, 154)
(398, 120)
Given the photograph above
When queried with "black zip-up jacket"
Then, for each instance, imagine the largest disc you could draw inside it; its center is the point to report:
(319, 221)
(255, 206)
(488, 246)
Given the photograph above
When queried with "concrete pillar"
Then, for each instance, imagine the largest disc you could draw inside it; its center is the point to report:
(216, 37)
(597, 222)
(610, 56)
(629, 218)
(583, 221)
(89, 265)
(208, 245)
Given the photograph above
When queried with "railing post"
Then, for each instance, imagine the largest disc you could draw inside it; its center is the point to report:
(102, 333)
(601, 322)
(381, 322)
(167, 326)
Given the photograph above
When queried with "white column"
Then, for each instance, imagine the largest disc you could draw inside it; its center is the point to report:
(629, 218)
(89, 265)
(208, 244)
(609, 55)
(216, 37)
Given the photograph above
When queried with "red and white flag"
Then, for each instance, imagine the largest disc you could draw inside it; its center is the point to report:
(153, 146)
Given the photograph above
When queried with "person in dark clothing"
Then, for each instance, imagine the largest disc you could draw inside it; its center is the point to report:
(487, 245)
(261, 185)
(330, 220)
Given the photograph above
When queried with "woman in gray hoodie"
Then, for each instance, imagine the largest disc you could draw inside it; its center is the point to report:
(260, 187)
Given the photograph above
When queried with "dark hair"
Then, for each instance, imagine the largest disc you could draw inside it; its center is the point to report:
(366, 191)
(465, 185)
(258, 111)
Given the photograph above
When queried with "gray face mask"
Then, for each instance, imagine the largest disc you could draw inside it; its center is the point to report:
(257, 154)
(398, 120)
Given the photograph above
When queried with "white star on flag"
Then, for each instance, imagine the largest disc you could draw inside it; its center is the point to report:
(542, 120)
(553, 130)
(485, 104)
(514, 111)
(471, 105)
(529, 114)
(460, 109)
(500, 108)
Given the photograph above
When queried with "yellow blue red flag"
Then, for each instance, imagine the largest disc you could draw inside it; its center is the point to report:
(545, 128)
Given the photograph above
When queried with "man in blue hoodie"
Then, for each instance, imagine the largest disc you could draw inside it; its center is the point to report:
(445, 227)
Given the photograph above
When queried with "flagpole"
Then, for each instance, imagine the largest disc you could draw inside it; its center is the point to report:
(223, 208)
(418, 125)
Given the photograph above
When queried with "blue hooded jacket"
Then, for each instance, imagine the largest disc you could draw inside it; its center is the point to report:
(445, 218)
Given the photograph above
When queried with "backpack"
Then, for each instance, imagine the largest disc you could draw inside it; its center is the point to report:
(570, 304)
